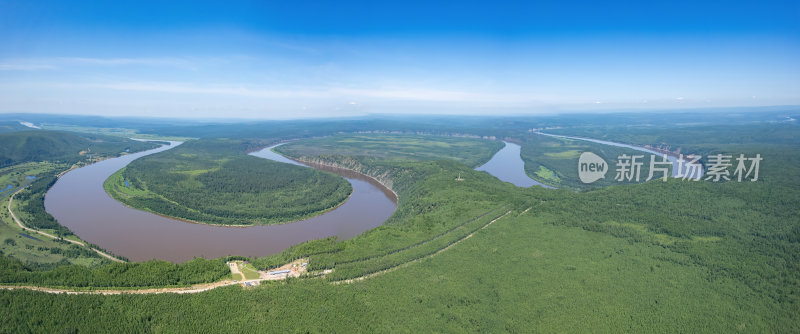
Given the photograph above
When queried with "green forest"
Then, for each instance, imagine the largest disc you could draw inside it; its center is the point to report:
(476, 255)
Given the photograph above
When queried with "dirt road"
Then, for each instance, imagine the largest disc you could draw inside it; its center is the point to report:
(22, 226)
(295, 270)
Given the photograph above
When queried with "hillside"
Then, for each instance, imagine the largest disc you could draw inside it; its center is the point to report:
(39, 145)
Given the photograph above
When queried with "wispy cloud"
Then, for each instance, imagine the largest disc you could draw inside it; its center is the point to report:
(37, 64)
(427, 95)
(346, 96)
(161, 87)
(125, 61)
(25, 67)
(411, 94)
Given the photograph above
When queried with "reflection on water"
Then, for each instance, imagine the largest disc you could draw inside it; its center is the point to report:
(79, 202)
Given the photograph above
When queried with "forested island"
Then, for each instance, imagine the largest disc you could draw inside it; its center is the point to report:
(216, 182)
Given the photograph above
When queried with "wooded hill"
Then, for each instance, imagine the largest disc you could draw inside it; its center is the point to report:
(55, 146)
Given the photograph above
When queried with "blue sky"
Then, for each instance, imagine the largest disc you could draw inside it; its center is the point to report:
(286, 60)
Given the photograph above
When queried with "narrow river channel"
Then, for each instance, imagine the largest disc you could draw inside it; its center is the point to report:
(507, 165)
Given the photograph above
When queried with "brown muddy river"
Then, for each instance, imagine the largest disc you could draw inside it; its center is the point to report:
(79, 202)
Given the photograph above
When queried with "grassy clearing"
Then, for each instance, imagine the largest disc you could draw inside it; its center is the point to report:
(249, 271)
(568, 154)
(546, 174)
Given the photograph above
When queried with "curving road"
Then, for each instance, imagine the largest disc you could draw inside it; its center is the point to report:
(48, 235)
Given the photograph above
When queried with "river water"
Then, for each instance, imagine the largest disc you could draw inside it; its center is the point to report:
(79, 202)
(507, 165)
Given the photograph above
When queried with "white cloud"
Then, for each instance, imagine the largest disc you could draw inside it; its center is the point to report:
(429, 95)
(124, 61)
(241, 90)
(35, 64)
(409, 94)
(25, 67)
(161, 87)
